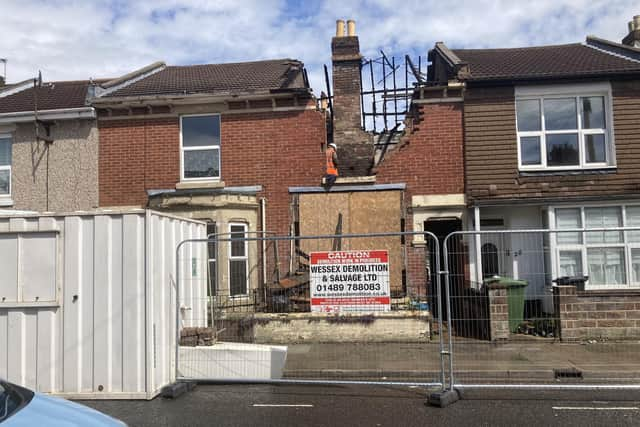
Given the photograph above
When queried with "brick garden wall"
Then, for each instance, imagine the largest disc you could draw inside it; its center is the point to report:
(595, 315)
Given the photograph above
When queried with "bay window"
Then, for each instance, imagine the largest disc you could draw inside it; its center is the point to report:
(5, 165)
(609, 258)
(569, 129)
(200, 147)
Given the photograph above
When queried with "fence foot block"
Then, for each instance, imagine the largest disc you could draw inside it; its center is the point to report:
(175, 390)
(443, 398)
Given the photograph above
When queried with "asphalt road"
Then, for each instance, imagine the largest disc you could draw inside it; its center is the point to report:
(302, 405)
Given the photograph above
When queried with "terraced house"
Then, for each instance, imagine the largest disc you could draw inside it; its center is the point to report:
(216, 142)
(48, 147)
(552, 142)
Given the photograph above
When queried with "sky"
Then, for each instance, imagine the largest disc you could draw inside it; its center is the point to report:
(81, 39)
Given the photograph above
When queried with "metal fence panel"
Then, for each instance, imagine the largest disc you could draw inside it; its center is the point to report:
(333, 308)
(543, 308)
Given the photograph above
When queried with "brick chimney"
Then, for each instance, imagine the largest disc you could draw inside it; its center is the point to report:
(633, 38)
(355, 149)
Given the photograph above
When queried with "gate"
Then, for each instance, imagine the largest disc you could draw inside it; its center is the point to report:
(544, 308)
(344, 308)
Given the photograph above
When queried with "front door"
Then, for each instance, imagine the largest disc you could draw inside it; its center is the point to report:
(495, 252)
(442, 228)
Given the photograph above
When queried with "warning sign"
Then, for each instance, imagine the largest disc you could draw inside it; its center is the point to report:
(350, 281)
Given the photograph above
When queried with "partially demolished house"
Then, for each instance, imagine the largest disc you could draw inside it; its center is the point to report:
(412, 180)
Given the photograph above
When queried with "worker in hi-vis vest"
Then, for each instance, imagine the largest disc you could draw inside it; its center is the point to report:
(332, 165)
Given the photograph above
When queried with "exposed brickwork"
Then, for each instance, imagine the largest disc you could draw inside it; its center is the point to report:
(430, 161)
(355, 147)
(273, 149)
(594, 315)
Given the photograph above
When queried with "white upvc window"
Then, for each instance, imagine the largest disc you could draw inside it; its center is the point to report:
(611, 259)
(200, 147)
(212, 255)
(565, 127)
(238, 260)
(5, 165)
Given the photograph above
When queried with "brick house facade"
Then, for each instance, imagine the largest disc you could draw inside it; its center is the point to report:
(267, 135)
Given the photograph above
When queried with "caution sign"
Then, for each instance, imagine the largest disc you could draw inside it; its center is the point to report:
(347, 281)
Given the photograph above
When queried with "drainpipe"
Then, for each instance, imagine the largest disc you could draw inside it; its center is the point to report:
(478, 242)
(263, 227)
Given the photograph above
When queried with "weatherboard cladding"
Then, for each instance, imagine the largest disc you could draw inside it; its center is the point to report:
(51, 96)
(244, 77)
(491, 158)
(570, 60)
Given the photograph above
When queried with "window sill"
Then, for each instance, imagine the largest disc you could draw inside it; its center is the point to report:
(6, 201)
(564, 172)
(190, 185)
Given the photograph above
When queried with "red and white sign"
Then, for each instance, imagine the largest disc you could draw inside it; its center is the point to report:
(350, 281)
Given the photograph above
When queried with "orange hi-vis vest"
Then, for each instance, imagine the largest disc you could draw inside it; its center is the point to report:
(331, 167)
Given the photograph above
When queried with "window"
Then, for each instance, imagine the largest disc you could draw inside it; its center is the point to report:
(609, 258)
(200, 147)
(238, 260)
(212, 255)
(5, 165)
(564, 131)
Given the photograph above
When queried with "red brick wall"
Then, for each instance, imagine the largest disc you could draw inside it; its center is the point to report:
(273, 149)
(136, 155)
(430, 157)
(429, 160)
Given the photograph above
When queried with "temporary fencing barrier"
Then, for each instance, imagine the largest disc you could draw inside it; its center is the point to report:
(330, 308)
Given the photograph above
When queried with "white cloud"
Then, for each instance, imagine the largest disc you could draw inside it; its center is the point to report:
(81, 39)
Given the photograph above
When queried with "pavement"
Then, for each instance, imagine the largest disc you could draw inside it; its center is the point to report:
(353, 405)
(531, 360)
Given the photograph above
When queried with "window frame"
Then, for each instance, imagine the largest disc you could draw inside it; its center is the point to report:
(244, 258)
(212, 279)
(8, 167)
(577, 93)
(625, 244)
(201, 148)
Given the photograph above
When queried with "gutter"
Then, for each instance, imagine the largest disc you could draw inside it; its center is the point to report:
(58, 114)
(194, 98)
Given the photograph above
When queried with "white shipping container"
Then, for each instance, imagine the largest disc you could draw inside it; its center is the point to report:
(87, 300)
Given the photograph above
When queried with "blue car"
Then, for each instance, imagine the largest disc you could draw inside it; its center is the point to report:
(22, 407)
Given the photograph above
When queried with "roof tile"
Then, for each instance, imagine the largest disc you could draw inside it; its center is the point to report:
(51, 96)
(232, 78)
(568, 60)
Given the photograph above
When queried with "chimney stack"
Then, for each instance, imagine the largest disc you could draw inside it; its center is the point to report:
(346, 60)
(355, 150)
(633, 38)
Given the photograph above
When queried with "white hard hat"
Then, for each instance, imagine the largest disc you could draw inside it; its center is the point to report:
(333, 144)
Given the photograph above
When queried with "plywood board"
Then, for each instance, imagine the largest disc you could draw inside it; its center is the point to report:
(362, 213)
